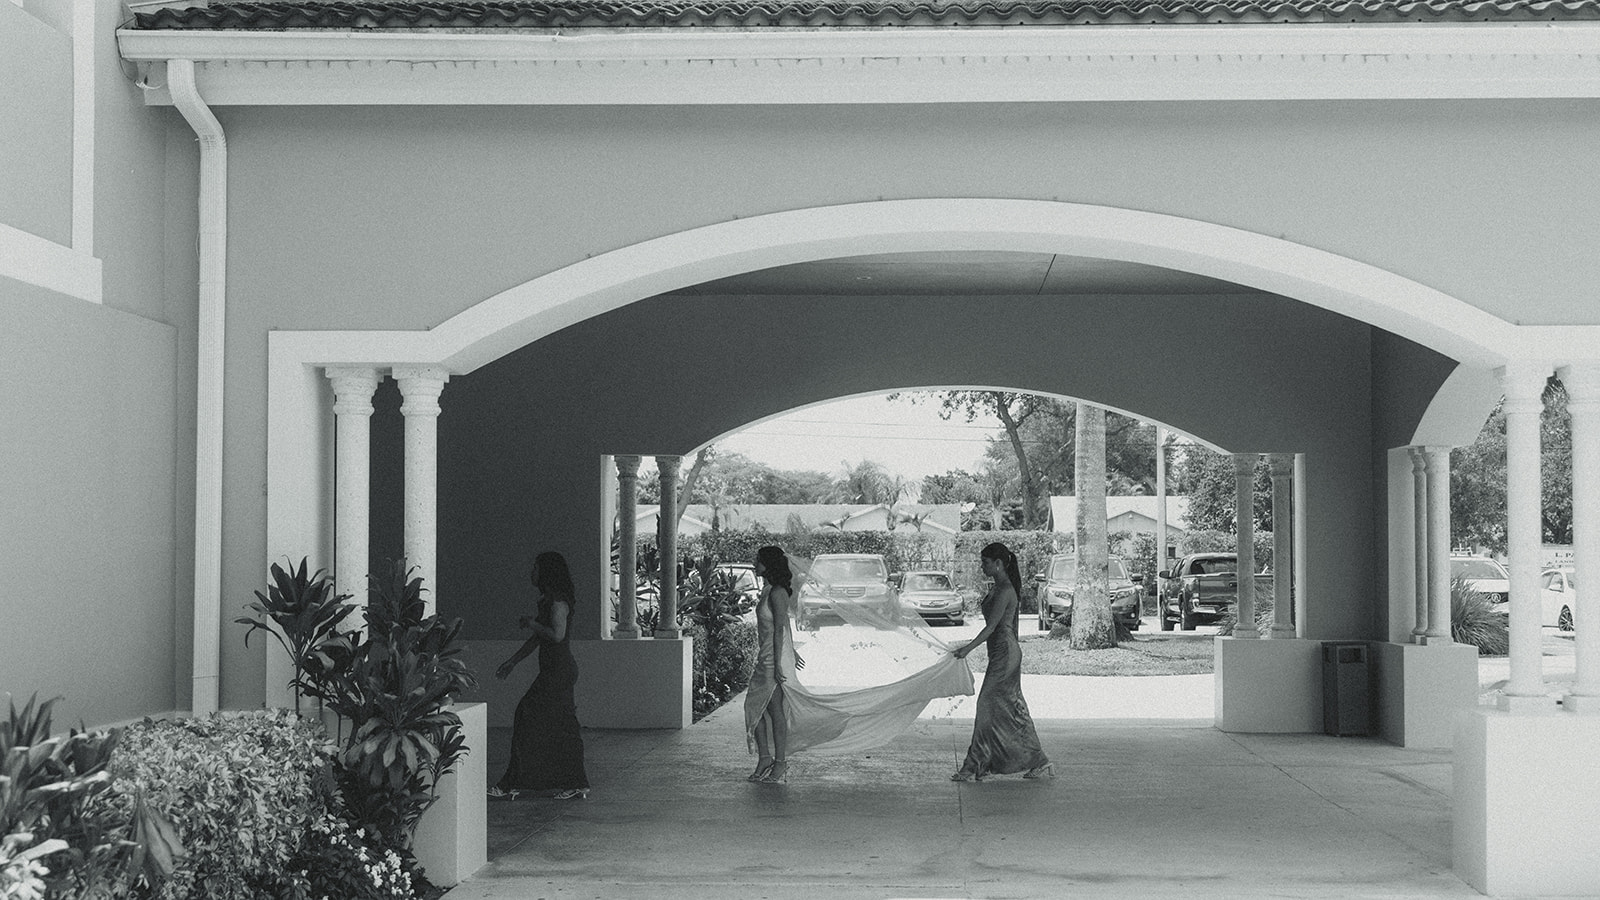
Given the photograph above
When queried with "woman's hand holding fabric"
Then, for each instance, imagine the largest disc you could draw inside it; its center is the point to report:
(504, 671)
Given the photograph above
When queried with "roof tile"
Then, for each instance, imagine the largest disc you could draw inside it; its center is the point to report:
(562, 14)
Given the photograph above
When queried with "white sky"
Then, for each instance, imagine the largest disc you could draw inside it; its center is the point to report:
(906, 439)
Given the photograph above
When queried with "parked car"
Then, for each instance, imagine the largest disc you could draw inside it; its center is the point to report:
(1558, 595)
(1200, 589)
(1059, 579)
(838, 578)
(1485, 576)
(930, 594)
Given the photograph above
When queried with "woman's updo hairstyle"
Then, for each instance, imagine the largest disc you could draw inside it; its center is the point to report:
(1008, 559)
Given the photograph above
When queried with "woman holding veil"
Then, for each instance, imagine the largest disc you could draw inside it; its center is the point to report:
(1003, 737)
(782, 716)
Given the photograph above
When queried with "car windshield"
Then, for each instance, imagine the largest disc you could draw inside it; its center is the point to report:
(1216, 566)
(1062, 569)
(922, 581)
(1486, 569)
(849, 570)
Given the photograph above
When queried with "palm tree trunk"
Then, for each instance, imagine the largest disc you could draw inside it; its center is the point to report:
(1092, 625)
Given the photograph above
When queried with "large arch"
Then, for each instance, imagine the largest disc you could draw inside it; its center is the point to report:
(550, 302)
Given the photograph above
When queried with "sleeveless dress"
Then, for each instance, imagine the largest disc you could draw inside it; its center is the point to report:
(546, 743)
(1004, 741)
(840, 722)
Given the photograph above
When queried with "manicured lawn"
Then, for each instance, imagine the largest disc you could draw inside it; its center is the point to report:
(1142, 656)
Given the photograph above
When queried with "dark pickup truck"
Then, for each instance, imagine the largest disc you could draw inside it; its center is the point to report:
(1201, 588)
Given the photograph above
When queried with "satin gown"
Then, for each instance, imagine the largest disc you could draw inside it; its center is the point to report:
(1004, 740)
(546, 742)
(841, 722)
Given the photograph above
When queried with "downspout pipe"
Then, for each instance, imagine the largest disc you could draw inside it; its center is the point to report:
(211, 328)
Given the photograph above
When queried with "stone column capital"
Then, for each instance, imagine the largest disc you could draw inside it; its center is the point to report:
(421, 387)
(627, 466)
(1245, 463)
(353, 388)
(1523, 383)
(669, 465)
(1281, 465)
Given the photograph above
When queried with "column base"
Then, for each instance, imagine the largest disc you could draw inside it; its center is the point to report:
(1268, 686)
(667, 634)
(1524, 789)
(1423, 690)
(1434, 640)
(1522, 705)
(1581, 704)
(1282, 633)
(625, 634)
(452, 837)
(621, 684)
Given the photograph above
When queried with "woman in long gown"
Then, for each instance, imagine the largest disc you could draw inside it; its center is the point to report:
(546, 743)
(782, 716)
(1003, 737)
(766, 715)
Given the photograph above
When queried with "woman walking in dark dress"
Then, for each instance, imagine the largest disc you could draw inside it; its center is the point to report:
(1003, 737)
(546, 744)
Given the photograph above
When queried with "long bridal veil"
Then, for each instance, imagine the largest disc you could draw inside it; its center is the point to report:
(864, 684)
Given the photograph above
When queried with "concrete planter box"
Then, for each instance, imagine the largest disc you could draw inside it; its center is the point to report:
(452, 838)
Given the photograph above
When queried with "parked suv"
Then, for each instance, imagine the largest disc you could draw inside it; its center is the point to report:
(840, 578)
(1059, 579)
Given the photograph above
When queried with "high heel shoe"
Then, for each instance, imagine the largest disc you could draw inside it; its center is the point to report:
(571, 794)
(966, 775)
(777, 774)
(762, 768)
(1048, 770)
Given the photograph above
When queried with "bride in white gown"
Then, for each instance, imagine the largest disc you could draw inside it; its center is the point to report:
(783, 716)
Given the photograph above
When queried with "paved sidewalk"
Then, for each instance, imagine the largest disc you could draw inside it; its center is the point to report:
(1160, 808)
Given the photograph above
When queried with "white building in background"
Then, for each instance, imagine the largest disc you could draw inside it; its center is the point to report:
(1136, 514)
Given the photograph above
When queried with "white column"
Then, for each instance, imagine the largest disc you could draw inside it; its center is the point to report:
(627, 547)
(1524, 388)
(667, 621)
(421, 387)
(1244, 474)
(1419, 528)
(1583, 402)
(1437, 462)
(352, 503)
(1282, 465)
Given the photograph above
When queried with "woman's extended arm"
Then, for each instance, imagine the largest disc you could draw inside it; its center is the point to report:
(1002, 608)
(554, 633)
(522, 653)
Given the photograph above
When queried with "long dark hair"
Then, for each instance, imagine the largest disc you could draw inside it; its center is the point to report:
(775, 567)
(1003, 553)
(552, 578)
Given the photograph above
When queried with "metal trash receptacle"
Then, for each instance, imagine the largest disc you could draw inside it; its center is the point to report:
(1346, 688)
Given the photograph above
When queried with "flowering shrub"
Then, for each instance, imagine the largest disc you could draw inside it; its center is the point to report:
(241, 788)
(22, 868)
(349, 864)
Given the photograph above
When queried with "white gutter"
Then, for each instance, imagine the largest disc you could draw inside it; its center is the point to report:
(213, 248)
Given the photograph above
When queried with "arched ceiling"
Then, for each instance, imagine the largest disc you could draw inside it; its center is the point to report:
(966, 273)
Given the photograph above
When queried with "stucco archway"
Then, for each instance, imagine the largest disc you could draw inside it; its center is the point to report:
(545, 304)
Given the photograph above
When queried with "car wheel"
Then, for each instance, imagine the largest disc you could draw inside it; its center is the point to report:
(1564, 621)
(1185, 618)
(1166, 620)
